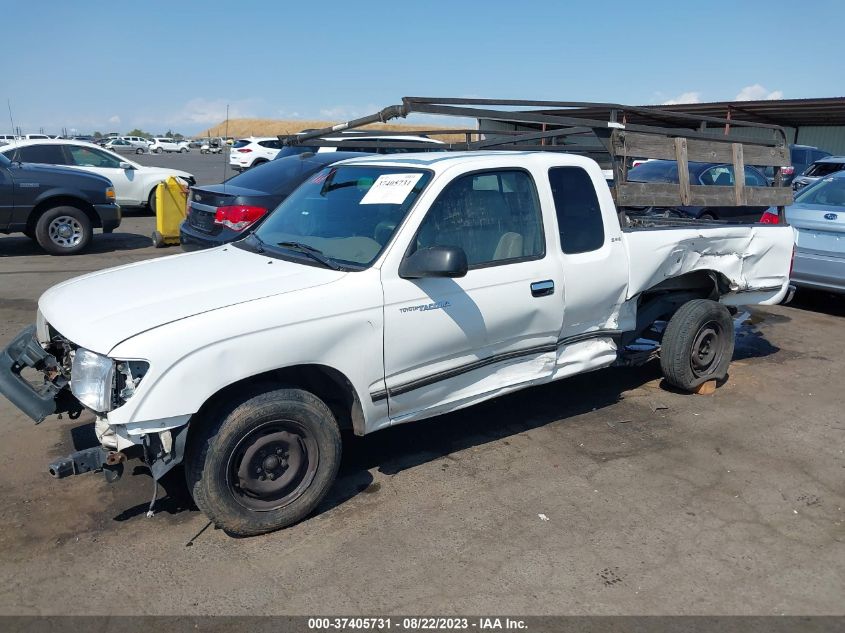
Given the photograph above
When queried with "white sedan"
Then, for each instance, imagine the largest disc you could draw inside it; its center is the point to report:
(134, 184)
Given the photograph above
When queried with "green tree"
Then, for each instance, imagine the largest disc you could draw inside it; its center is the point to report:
(137, 132)
(98, 135)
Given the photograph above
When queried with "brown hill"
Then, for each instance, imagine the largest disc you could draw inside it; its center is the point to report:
(238, 128)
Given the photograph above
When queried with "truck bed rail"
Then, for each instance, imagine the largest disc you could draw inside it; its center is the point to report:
(600, 131)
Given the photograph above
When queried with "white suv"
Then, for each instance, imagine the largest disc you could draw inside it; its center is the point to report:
(250, 152)
(159, 145)
(137, 141)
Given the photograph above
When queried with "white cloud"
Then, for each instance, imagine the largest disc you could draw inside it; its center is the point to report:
(685, 97)
(115, 120)
(199, 111)
(346, 112)
(756, 92)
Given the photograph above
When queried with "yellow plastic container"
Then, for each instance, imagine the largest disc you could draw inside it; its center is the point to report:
(171, 204)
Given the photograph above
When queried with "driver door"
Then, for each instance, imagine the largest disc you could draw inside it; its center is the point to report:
(451, 341)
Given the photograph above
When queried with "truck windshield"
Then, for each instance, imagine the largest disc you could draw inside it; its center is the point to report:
(344, 214)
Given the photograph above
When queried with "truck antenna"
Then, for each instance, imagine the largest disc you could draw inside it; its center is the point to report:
(12, 121)
(225, 145)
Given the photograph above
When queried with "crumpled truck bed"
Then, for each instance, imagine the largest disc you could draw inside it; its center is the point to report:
(755, 259)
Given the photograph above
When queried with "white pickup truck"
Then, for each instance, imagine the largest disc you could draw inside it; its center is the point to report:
(384, 290)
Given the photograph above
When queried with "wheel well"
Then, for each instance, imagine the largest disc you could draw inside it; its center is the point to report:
(328, 384)
(62, 201)
(662, 300)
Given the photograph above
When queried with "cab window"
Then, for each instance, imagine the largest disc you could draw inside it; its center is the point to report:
(493, 216)
(578, 211)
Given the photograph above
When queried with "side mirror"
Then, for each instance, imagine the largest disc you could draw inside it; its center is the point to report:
(434, 261)
(124, 165)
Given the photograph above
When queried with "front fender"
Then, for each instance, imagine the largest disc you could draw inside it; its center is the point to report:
(63, 192)
(195, 358)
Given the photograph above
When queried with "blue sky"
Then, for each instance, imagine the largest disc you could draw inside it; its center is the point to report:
(113, 66)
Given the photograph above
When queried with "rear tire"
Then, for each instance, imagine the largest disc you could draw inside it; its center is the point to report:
(151, 201)
(707, 216)
(698, 344)
(158, 150)
(139, 151)
(265, 462)
(184, 150)
(258, 162)
(63, 230)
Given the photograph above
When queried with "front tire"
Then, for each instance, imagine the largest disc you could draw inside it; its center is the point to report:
(158, 150)
(698, 344)
(184, 150)
(139, 151)
(265, 462)
(63, 230)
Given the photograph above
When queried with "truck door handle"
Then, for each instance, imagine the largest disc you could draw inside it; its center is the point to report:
(542, 288)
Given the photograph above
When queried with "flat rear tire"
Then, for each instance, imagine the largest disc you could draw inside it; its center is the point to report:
(698, 344)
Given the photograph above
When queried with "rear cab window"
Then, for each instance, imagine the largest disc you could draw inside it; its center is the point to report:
(579, 216)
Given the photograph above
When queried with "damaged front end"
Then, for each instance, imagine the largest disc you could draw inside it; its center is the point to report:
(42, 373)
(37, 401)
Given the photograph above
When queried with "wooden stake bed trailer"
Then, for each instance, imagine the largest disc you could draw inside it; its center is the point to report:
(683, 138)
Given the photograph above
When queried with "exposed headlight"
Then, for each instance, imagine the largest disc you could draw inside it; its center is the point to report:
(92, 380)
(42, 331)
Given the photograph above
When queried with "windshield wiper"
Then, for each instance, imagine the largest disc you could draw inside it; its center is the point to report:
(314, 253)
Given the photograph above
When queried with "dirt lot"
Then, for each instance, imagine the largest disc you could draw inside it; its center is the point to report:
(602, 494)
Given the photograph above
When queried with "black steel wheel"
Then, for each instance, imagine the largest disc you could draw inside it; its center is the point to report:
(697, 345)
(273, 465)
(264, 461)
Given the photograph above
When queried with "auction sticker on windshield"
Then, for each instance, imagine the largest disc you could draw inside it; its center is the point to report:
(391, 189)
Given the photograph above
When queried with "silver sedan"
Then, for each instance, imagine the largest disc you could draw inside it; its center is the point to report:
(124, 147)
(818, 216)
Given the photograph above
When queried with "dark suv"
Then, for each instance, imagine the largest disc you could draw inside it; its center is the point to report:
(801, 157)
(819, 169)
(58, 207)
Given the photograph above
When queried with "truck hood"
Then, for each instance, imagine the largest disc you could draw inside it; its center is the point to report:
(100, 310)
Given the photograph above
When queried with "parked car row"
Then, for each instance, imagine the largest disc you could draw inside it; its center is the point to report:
(37, 177)
(247, 153)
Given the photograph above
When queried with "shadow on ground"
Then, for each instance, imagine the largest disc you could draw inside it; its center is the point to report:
(22, 246)
(818, 301)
